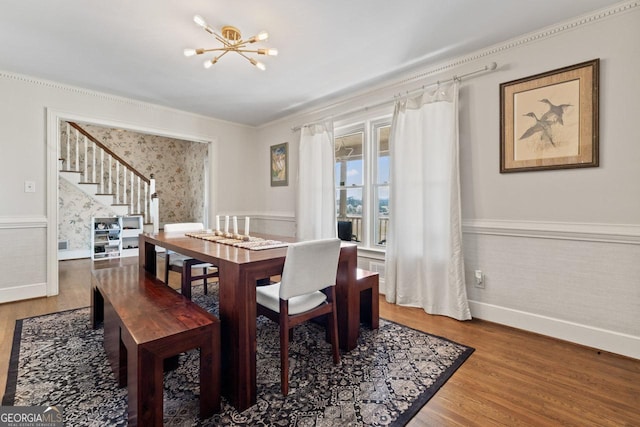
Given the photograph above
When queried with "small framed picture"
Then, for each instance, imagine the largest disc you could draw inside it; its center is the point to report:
(280, 165)
(550, 120)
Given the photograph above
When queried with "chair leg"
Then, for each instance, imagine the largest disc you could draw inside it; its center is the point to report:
(204, 272)
(333, 326)
(284, 359)
(166, 268)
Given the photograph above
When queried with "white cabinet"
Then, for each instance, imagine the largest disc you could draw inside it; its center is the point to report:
(131, 228)
(115, 236)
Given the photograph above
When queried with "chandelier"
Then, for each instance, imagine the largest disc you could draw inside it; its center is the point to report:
(232, 41)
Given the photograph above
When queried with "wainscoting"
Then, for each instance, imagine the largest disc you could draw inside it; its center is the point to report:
(23, 258)
(576, 282)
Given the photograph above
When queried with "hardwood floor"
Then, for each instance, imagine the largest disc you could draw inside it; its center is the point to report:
(514, 378)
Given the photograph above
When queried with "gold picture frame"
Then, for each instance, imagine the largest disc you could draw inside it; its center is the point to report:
(550, 120)
(279, 160)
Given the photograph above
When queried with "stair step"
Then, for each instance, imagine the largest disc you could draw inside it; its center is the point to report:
(105, 194)
(64, 170)
(89, 183)
(119, 204)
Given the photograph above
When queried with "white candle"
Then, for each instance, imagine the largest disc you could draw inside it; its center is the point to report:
(226, 224)
(235, 224)
(217, 222)
(246, 225)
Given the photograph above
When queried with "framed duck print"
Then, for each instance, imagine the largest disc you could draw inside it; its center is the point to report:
(550, 120)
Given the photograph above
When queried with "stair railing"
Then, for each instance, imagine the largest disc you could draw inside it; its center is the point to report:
(83, 153)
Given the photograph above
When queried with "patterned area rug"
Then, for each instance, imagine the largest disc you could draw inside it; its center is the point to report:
(59, 360)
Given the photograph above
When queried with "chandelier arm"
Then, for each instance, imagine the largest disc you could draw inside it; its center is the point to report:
(229, 44)
(213, 50)
(222, 54)
(237, 45)
(243, 55)
(223, 40)
(253, 62)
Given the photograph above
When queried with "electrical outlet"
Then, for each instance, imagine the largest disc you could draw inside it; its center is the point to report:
(29, 187)
(479, 279)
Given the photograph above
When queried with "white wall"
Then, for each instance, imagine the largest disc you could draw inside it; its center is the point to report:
(27, 225)
(560, 249)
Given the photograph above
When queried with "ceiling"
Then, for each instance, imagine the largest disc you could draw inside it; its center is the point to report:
(327, 48)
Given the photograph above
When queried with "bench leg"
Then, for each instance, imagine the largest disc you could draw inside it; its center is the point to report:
(370, 301)
(371, 308)
(210, 374)
(144, 386)
(375, 304)
(366, 315)
(116, 353)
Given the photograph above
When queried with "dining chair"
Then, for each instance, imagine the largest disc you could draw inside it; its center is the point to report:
(306, 291)
(176, 262)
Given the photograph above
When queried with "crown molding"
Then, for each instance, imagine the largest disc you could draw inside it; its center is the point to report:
(111, 98)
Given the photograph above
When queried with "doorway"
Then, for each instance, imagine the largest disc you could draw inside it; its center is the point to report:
(55, 121)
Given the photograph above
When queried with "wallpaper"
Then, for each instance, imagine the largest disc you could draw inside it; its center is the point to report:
(75, 211)
(177, 166)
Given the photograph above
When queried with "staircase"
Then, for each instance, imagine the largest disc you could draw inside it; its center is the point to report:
(97, 171)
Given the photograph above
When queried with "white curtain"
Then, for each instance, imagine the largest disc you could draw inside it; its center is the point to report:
(316, 213)
(424, 263)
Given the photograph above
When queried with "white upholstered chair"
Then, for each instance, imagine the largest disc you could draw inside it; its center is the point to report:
(306, 291)
(177, 262)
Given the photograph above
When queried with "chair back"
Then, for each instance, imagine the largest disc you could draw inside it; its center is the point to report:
(309, 266)
(183, 226)
(345, 230)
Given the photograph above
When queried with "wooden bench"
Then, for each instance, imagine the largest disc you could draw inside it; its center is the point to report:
(367, 283)
(147, 324)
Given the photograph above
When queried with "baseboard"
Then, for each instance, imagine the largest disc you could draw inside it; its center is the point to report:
(614, 342)
(18, 293)
(73, 254)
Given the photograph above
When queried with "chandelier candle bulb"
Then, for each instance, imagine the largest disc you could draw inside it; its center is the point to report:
(199, 20)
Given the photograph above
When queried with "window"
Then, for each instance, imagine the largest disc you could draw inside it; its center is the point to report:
(362, 181)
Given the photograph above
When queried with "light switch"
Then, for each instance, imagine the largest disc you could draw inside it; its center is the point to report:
(29, 186)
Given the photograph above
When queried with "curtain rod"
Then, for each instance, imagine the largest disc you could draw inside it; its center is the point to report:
(490, 67)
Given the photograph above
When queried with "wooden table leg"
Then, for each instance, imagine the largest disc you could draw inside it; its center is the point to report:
(238, 323)
(97, 305)
(147, 255)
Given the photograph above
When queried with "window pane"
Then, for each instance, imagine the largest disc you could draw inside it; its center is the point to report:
(381, 215)
(349, 163)
(349, 208)
(383, 154)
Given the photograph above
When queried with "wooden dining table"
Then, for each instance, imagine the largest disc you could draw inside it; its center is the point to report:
(239, 272)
